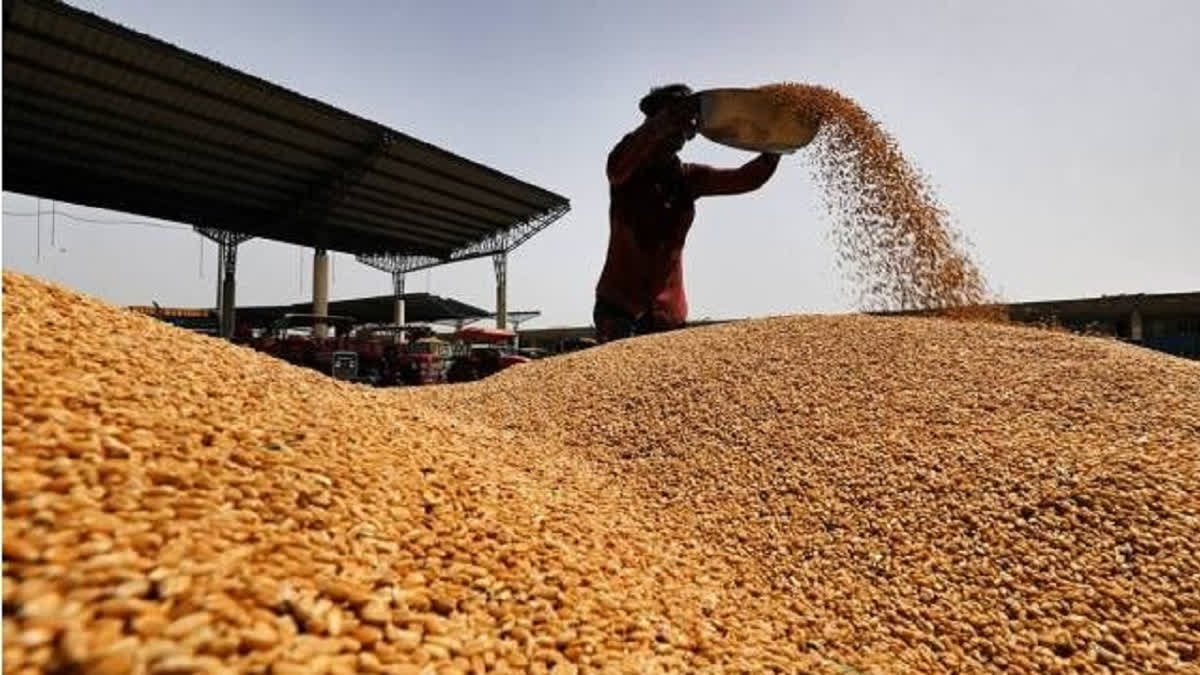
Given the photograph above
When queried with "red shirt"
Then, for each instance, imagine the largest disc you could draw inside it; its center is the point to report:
(653, 197)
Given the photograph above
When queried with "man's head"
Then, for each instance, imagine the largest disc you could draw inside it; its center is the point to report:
(662, 97)
(672, 98)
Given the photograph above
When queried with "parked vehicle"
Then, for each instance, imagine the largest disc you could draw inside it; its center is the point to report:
(574, 344)
(292, 338)
(392, 354)
(533, 353)
(425, 361)
(482, 352)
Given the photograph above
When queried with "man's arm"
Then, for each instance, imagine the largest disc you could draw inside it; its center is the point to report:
(647, 140)
(708, 181)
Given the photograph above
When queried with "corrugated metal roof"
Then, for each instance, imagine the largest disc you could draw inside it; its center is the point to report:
(419, 308)
(100, 115)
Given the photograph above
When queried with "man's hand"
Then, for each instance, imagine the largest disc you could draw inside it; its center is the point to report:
(708, 181)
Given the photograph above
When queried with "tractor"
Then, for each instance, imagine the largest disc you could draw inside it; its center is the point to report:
(482, 352)
(400, 354)
(292, 338)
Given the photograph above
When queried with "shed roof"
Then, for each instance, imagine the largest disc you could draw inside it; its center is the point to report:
(419, 308)
(101, 115)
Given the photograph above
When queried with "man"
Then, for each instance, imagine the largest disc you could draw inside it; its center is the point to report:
(652, 206)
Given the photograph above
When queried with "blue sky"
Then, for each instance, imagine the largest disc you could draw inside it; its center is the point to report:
(1061, 135)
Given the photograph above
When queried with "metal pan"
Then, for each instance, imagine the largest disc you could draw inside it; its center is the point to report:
(748, 119)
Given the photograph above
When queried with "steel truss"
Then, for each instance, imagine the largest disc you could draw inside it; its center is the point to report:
(497, 245)
(500, 242)
(227, 246)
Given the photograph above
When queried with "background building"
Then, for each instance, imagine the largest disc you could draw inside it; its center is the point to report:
(1167, 322)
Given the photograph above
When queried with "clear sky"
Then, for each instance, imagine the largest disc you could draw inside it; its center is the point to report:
(1063, 137)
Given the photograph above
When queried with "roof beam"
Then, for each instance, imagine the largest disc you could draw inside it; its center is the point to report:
(144, 131)
(137, 69)
(330, 190)
(500, 242)
(106, 152)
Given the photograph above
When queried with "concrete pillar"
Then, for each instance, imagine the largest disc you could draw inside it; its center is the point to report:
(320, 290)
(1135, 326)
(500, 260)
(398, 291)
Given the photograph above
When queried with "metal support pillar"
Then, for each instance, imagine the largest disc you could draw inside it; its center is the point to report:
(396, 264)
(228, 285)
(398, 295)
(500, 261)
(516, 319)
(220, 279)
(227, 243)
(320, 290)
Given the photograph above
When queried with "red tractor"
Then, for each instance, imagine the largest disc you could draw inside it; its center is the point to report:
(393, 355)
(425, 361)
(292, 338)
(481, 352)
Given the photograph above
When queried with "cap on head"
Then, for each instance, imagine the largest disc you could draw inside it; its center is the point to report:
(658, 97)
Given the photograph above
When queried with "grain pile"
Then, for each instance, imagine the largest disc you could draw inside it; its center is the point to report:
(808, 493)
(173, 504)
(951, 497)
(893, 237)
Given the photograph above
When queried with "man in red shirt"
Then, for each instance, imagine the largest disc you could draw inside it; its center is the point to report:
(652, 206)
